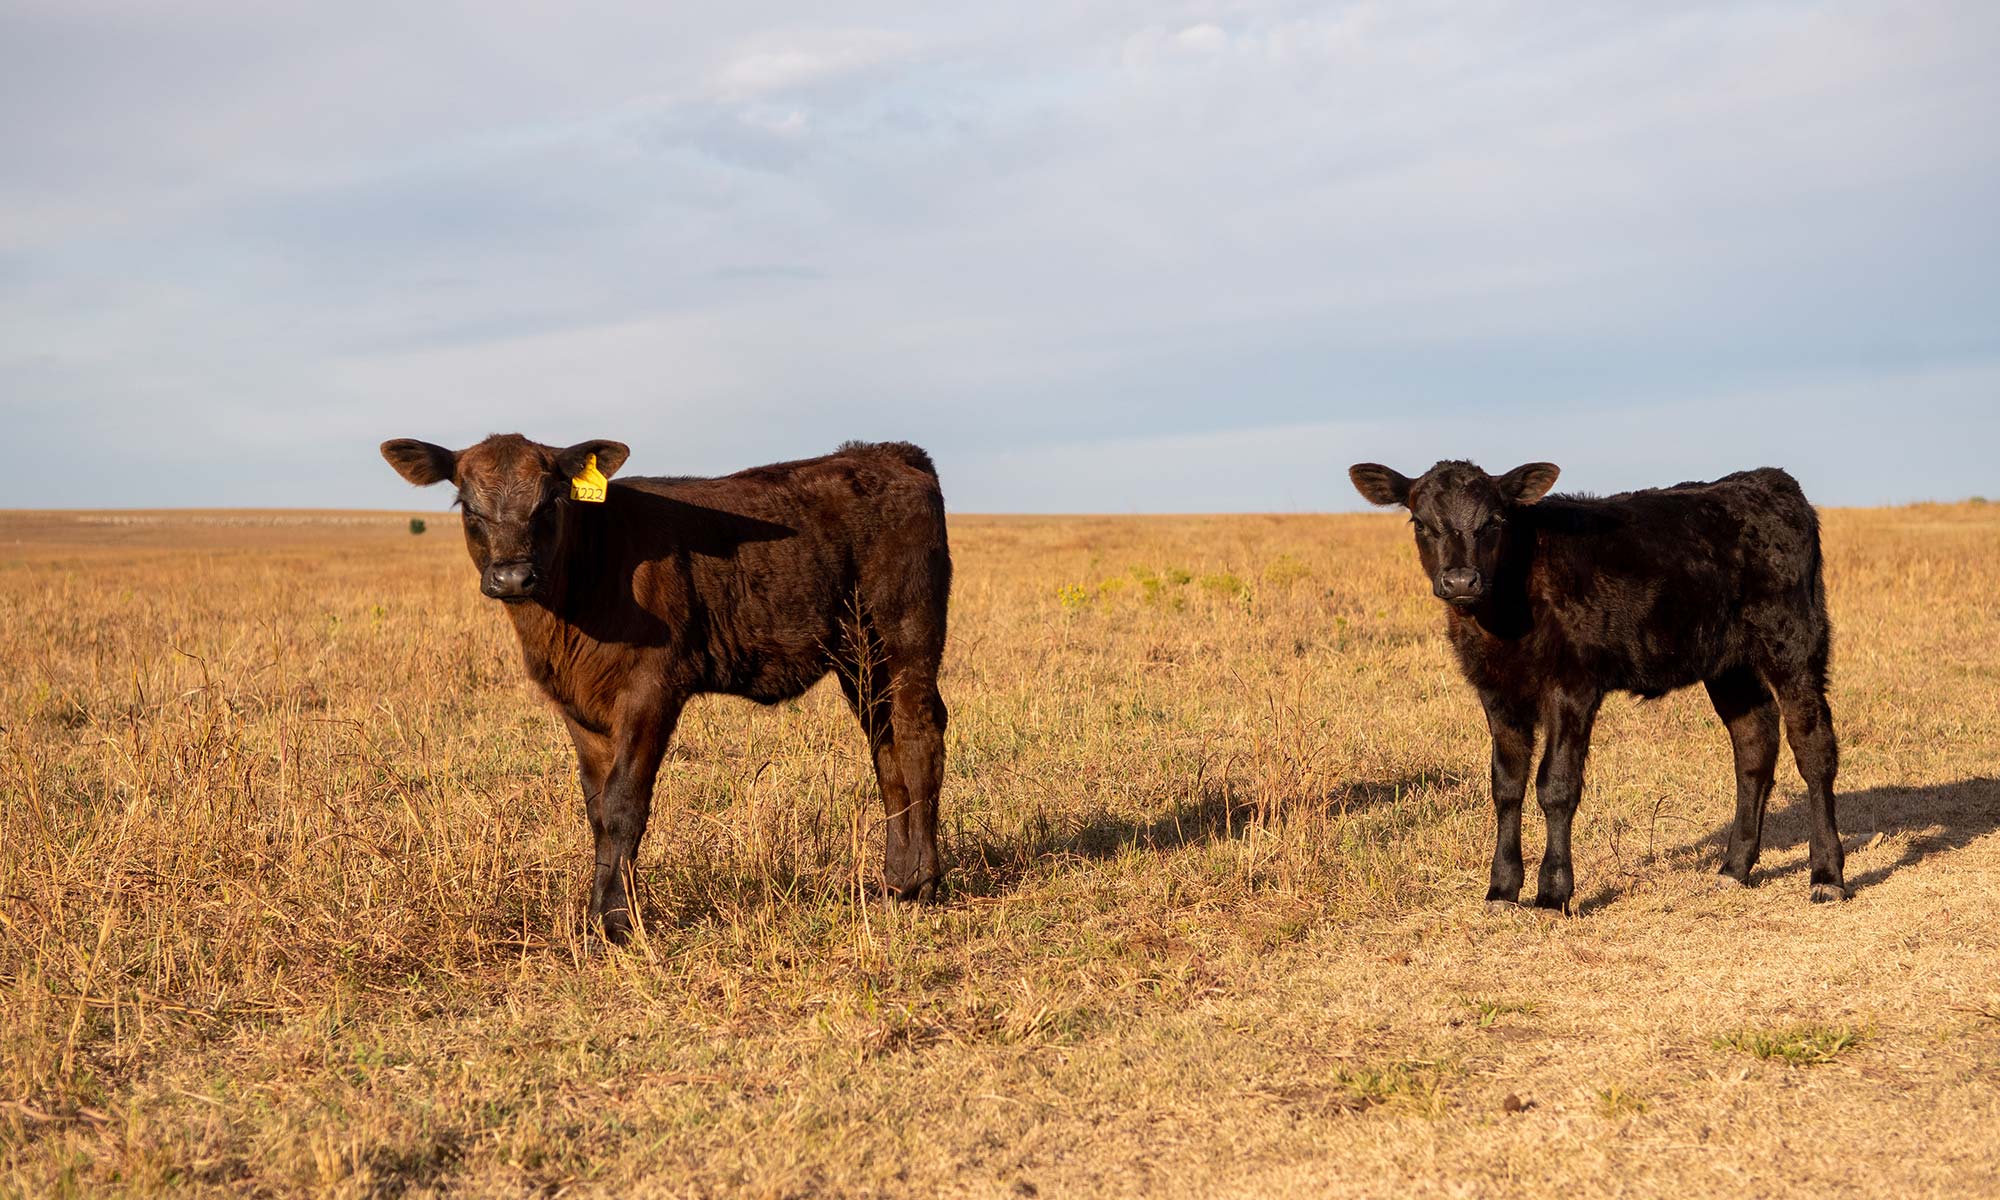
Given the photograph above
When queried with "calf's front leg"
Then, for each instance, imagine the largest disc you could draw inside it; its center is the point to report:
(622, 804)
(1567, 719)
(1513, 753)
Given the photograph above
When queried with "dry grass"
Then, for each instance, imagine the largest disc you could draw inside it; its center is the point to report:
(291, 871)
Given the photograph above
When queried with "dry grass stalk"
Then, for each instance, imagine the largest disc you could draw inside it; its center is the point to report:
(290, 903)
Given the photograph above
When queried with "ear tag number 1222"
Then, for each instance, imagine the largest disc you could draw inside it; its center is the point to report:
(588, 485)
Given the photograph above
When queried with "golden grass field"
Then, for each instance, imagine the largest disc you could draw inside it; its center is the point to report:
(292, 869)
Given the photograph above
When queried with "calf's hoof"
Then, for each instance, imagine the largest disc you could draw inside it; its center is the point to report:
(616, 925)
(1503, 906)
(1827, 893)
(1733, 876)
(920, 891)
(1726, 882)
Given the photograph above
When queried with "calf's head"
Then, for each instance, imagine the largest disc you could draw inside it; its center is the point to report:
(513, 495)
(1461, 515)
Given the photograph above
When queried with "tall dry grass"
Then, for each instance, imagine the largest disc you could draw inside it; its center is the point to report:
(291, 884)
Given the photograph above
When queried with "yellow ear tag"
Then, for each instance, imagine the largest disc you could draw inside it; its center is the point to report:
(589, 483)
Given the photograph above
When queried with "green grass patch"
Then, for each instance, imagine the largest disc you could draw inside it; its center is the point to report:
(1415, 1085)
(1488, 1011)
(1799, 1045)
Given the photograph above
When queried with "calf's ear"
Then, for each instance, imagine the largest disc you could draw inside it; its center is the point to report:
(420, 462)
(1379, 484)
(1529, 483)
(610, 456)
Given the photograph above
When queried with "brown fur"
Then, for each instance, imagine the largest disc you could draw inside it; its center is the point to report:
(755, 584)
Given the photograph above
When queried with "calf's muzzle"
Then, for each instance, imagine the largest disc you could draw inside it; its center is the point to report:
(1459, 585)
(511, 581)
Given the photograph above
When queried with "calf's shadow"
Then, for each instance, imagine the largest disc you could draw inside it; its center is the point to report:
(1939, 818)
(990, 864)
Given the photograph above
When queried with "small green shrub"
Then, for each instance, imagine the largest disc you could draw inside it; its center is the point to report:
(1224, 583)
(1285, 569)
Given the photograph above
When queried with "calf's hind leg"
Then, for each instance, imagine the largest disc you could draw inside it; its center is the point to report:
(1809, 728)
(1750, 713)
(904, 721)
(910, 865)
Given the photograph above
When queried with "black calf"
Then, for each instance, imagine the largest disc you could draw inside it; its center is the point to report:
(1554, 602)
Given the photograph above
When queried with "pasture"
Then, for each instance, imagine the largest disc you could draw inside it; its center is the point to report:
(292, 871)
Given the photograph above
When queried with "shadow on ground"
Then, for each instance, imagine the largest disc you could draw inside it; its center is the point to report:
(1937, 819)
(990, 862)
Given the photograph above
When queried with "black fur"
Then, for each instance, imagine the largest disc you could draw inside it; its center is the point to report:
(1557, 602)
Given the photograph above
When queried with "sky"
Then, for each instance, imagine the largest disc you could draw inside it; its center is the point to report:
(1095, 255)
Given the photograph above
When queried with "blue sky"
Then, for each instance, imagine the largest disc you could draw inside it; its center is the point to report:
(1096, 256)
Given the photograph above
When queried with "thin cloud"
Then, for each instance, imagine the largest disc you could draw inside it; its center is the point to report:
(806, 59)
(727, 235)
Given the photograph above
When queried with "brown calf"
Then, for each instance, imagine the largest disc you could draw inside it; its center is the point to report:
(755, 584)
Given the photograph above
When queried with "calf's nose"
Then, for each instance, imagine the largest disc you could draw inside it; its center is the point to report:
(509, 581)
(1459, 583)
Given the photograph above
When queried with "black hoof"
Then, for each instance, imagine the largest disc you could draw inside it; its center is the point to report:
(1731, 876)
(616, 925)
(1827, 893)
